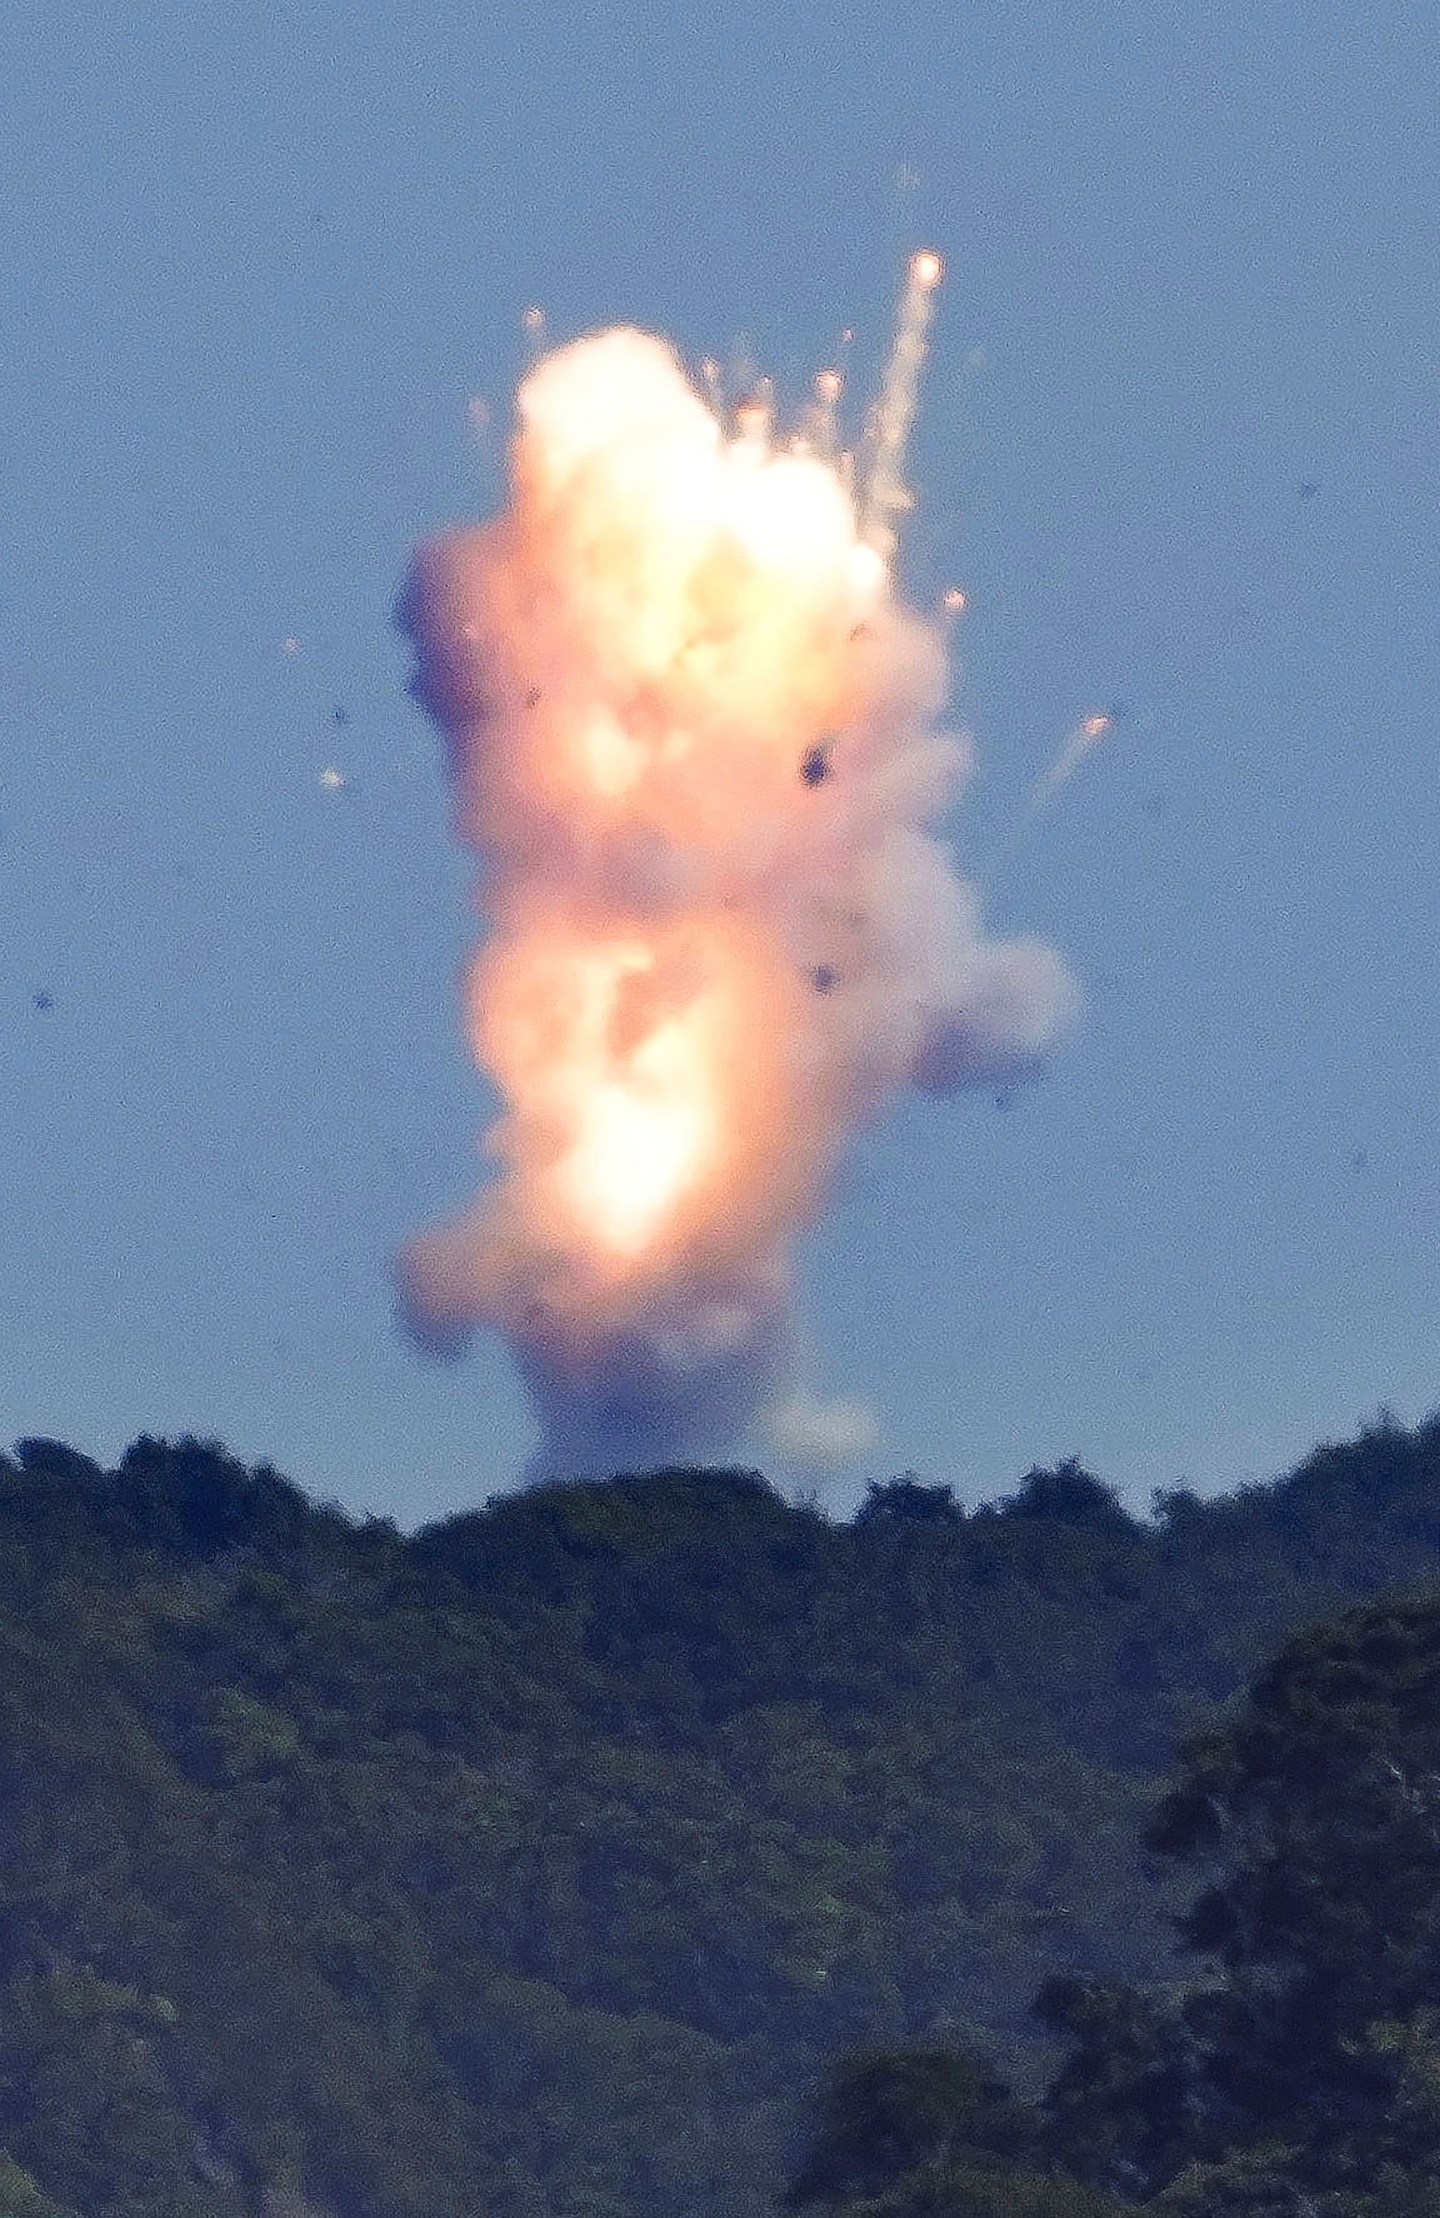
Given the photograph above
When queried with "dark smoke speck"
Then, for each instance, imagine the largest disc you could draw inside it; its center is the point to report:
(815, 765)
(824, 978)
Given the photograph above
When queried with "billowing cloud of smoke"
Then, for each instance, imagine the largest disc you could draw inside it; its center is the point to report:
(691, 733)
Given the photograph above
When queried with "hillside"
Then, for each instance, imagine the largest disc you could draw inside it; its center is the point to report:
(541, 1864)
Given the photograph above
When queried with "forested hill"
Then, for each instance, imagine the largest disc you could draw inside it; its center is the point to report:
(543, 1862)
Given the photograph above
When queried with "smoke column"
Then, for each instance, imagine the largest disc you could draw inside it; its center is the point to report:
(691, 735)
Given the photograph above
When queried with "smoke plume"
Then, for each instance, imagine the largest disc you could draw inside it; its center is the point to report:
(692, 735)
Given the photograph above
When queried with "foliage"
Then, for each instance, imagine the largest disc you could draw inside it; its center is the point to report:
(540, 1863)
(1297, 2068)
(20, 2197)
(906, 2111)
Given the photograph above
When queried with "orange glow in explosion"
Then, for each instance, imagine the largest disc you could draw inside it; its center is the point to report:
(691, 733)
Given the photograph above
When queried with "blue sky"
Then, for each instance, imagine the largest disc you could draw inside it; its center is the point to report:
(254, 265)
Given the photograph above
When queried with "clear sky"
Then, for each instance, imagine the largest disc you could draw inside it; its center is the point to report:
(1181, 447)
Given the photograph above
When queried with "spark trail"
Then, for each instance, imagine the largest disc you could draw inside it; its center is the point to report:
(692, 734)
(1078, 743)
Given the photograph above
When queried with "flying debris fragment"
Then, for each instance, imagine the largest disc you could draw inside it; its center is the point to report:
(887, 496)
(1080, 742)
(628, 664)
(532, 323)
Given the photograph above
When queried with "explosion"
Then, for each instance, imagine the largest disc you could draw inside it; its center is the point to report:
(692, 735)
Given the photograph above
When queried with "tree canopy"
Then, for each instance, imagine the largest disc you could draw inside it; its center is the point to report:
(546, 1860)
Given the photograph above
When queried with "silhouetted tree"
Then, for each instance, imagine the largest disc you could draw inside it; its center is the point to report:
(1070, 1495)
(908, 1501)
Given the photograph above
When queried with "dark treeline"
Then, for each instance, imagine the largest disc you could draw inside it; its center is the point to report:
(1294, 2065)
(544, 1864)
